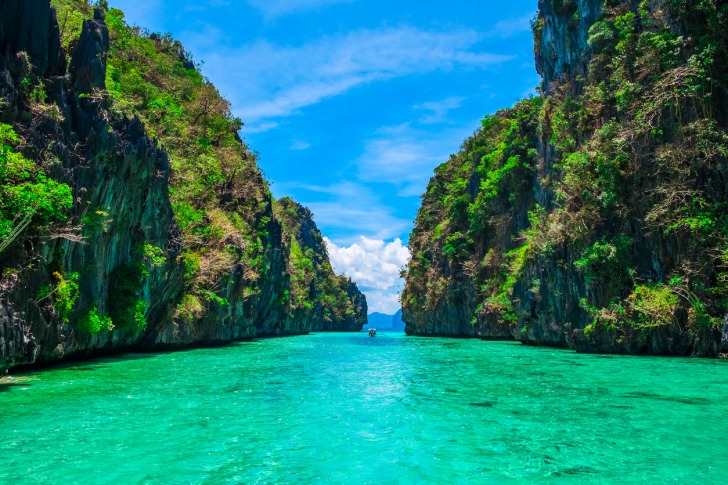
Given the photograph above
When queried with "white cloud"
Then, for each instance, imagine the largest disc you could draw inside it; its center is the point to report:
(511, 27)
(276, 8)
(266, 81)
(439, 109)
(260, 127)
(299, 145)
(350, 207)
(386, 302)
(374, 220)
(375, 265)
(406, 156)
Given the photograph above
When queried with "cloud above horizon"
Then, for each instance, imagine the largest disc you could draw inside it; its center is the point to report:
(375, 266)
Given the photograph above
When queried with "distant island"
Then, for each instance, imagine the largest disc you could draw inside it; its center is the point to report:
(382, 321)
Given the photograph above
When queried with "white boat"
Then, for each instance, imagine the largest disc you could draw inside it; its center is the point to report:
(372, 332)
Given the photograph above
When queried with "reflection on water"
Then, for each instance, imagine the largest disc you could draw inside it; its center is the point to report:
(347, 408)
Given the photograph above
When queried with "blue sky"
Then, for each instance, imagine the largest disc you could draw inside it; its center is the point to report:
(352, 103)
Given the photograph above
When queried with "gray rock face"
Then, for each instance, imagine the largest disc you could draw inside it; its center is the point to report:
(451, 317)
(112, 166)
(561, 50)
(88, 66)
(30, 26)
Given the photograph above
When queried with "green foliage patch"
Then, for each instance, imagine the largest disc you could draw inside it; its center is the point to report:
(27, 195)
(654, 305)
(65, 294)
(92, 323)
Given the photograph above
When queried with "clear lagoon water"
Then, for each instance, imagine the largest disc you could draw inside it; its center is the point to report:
(350, 409)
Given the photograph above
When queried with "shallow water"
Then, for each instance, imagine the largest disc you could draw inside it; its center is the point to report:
(347, 408)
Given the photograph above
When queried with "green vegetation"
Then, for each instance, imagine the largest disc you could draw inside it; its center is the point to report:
(653, 305)
(470, 206)
(220, 199)
(607, 264)
(92, 323)
(190, 309)
(65, 294)
(152, 256)
(314, 285)
(28, 198)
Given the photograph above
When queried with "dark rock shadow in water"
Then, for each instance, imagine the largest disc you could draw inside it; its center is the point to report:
(680, 399)
(7, 385)
(579, 470)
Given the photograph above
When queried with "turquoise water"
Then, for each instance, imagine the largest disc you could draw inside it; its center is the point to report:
(347, 408)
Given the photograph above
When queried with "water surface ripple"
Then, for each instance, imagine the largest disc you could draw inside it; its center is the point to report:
(347, 408)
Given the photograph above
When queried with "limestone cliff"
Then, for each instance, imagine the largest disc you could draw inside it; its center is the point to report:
(592, 216)
(318, 298)
(127, 269)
